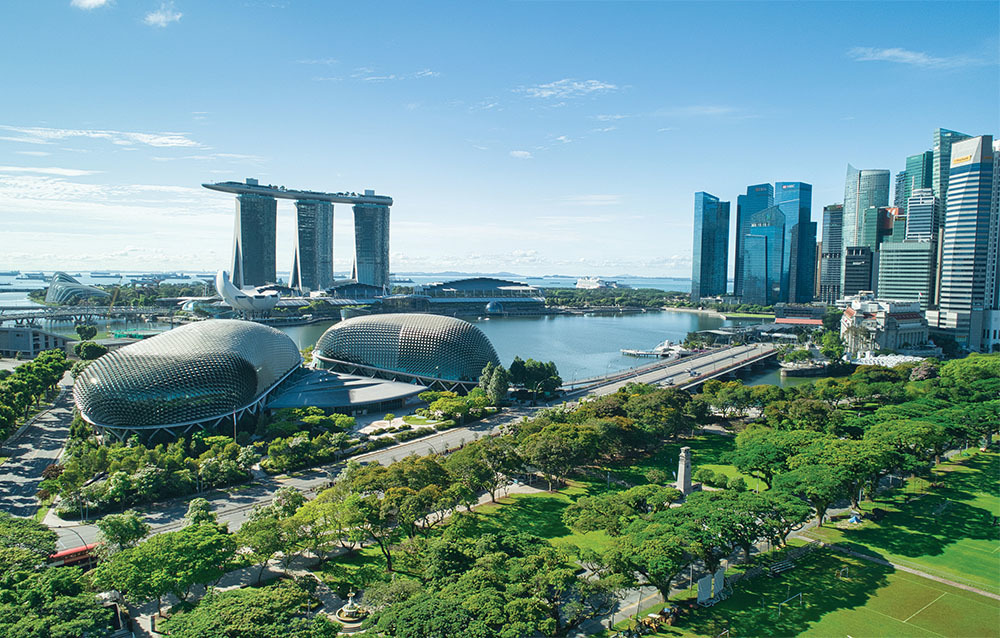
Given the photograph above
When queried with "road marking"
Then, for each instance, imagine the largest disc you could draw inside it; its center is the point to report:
(927, 605)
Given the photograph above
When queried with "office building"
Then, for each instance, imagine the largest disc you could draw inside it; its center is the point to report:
(899, 193)
(858, 272)
(832, 258)
(919, 173)
(764, 246)
(757, 198)
(906, 271)
(371, 244)
(253, 242)
(312, 259)
(967, 301)
(794, 199)
(710, 254)
(818, 270)
(921, 215)
(940, 167)
(863, 190)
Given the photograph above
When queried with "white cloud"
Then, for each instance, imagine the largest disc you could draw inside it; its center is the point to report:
(234, 157)
(51, 170)
(567, 88)
(605, 129)
(521, 154)
(563, 139)
(426, 73)
(915, 58)
(326, 61)
(42, 135)
(367, 74)
(89, 4)
(34, 153)
(163, 16)
(610, 117)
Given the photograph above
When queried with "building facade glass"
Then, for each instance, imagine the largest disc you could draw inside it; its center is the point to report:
(798, 261)
(764, 242)
(906, 271)
(254, 239)
(371, 245)
(858, 268)
(710, 254)
(919, 174)
(863, 189)
(921, 215)
(757, 198)
(312, 260)
(941, 166)
(831, 260)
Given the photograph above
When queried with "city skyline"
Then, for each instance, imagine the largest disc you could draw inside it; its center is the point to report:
(523, 138)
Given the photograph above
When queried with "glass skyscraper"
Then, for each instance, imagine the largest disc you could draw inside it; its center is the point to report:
(757, 198)
(906, 272)
(922, 215)
(833, 246)
(253, 240)
(919, 172)
(709, 265)
(798, 262)
(967, 294)
(312, 261)
(941, 164)
(371, 244)
(862, 190)
(764, 246)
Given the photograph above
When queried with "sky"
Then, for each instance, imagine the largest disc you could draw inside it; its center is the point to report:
(528, 137)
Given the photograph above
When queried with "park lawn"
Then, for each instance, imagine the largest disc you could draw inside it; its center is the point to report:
(707, 450)
(946, 532)
(872, 601)
(354, 571)
(413, 419)
(541, 514)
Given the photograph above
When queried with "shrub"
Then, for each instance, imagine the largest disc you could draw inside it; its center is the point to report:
(737, 484)
(657, 476)
(704, 475)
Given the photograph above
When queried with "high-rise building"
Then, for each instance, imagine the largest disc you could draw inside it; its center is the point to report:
(941, 164)
(794, 199)
(371, 244)
(764, 244)
(818, 270)
(906, 271)
(899, 193)
(919, 172)
(966, 300)
(832, 259)
(757, 198)
(253, 240)
(709, 266)
(312, 261)
(921, 215)
(858, 273)
(863, 189)
(991, 328)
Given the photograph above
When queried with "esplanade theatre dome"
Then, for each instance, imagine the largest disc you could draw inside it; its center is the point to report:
(195, 373)
(410, 343)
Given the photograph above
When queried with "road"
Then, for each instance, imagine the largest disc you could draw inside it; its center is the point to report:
(38, 446)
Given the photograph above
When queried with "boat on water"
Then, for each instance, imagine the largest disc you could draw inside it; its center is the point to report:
(37, 276)
(104, 274)
(665, 350)
(400, 280)
(9, 273)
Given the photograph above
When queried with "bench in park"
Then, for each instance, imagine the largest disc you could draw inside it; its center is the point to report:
(781, 566)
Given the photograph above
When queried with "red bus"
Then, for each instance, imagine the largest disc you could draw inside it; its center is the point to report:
(82, 556)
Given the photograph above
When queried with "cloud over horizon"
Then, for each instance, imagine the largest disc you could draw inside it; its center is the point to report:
(914, 58)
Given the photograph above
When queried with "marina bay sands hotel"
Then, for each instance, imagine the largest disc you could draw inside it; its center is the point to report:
(312, 264)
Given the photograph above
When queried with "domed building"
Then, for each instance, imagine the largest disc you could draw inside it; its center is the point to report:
(63, 289)
(200, 375)
(436, 351)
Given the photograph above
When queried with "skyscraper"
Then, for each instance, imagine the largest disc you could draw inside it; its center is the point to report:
(832, 258)
(922, 215)
(919, 172)
(941, 164)
(253, 240)
(899, 193)
(371, 244)
(764, 246)
(794, 199)
(757, 198)
(709, 265)
(858, 271)
(862, 190)
(906, 271)
(312, 261)
(966, 299)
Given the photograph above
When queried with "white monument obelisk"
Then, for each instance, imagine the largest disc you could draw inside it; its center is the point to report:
(684, 471)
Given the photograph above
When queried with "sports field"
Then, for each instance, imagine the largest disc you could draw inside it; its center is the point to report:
(946, 531)
(870, 601)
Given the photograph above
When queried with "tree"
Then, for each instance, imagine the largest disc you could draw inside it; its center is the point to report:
(121, 531)
(651, 548)
(199, 511)
(85, 332)
(518, 372)
(831, 346)
(821, 485)
(50, 603)
(89, 350)
(559, 448)
(499, 384)
(264, 536)
(757, 454)
(27, 535)
(486, 376)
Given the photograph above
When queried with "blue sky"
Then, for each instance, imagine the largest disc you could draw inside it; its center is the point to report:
(532, 137)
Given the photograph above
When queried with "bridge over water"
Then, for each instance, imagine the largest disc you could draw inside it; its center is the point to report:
(28, 315)
(687, 373)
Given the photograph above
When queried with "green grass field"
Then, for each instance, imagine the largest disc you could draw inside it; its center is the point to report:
(946, 531)
(871, 601)
(707, 450)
